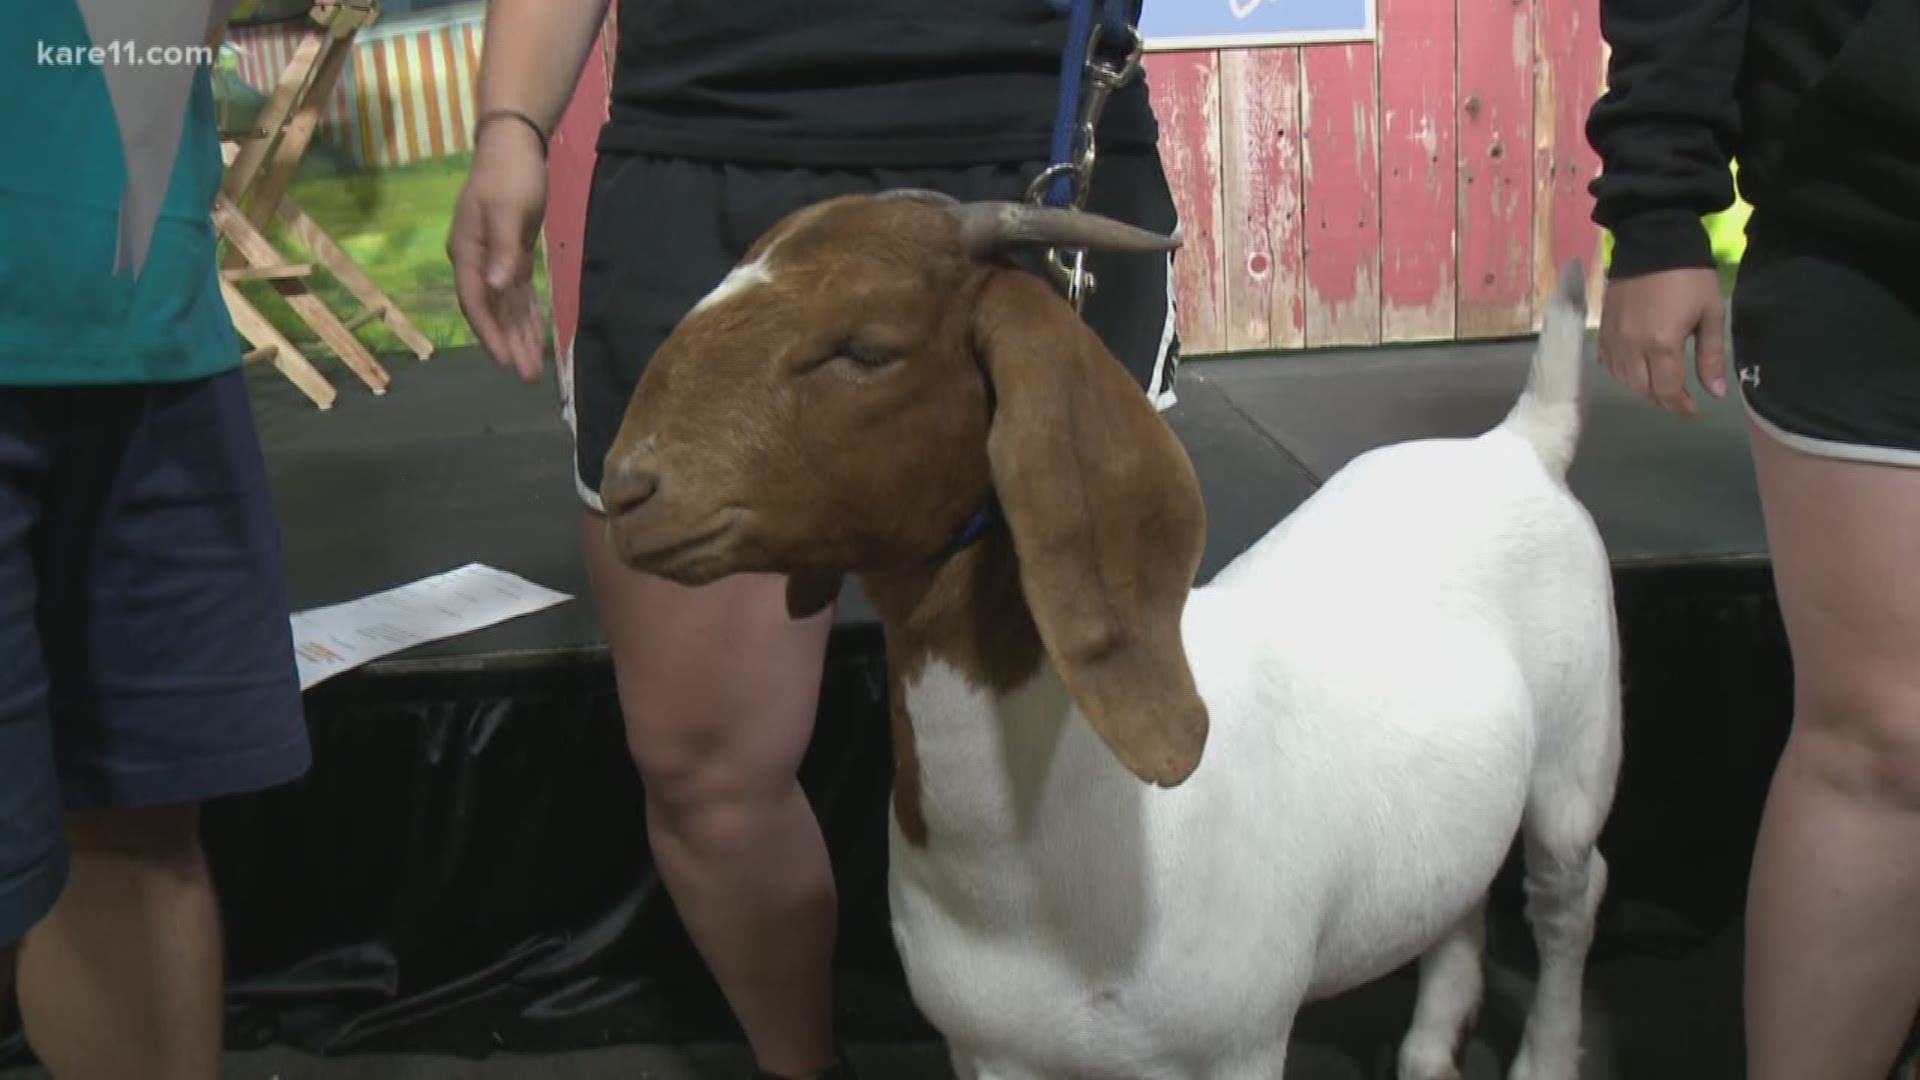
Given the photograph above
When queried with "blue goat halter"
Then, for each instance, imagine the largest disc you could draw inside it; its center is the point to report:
(988, 516)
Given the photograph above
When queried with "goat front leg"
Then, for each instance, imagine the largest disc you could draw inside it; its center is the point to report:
(968, 1066)
(1267, 1063)
(1451, 978)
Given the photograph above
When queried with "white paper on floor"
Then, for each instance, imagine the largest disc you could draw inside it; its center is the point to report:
(341, 637)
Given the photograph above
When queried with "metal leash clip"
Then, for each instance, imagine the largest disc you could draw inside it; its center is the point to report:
(1103, 78)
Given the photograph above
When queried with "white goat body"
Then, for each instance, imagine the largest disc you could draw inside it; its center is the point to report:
(1413, 669)
(1136, 824)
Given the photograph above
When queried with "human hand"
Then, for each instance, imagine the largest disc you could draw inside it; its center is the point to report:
(495, 223)
(1645, 322)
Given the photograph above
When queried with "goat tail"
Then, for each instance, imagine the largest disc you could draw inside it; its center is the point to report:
(1548, 414)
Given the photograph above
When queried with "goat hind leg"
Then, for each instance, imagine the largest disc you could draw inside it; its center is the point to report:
(1569, 799)
(1451, 980)
(1566, 878)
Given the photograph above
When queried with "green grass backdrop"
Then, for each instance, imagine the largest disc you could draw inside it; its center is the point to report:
(393, 222)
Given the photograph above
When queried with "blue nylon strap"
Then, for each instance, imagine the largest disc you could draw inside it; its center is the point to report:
(1116, 16)
(986, 517)
(1066, 118)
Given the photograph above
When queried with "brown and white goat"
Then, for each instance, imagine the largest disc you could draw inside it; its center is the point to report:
(1136, 824)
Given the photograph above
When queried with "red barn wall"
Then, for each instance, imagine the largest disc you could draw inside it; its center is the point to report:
(1425, 186)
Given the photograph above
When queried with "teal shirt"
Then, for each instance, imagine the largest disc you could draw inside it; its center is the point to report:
(65, 317)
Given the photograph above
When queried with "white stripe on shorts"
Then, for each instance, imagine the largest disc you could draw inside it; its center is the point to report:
(563, 367)
(1160, 384)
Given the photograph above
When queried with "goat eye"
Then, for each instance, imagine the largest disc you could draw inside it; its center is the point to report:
(865, 356)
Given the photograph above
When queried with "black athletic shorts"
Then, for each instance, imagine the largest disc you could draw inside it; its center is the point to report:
(662, 232)
(1827, 351)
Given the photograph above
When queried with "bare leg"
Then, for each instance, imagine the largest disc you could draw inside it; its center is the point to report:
(1451, 978)
(124, 977)
(1833, 970)
(720, 689)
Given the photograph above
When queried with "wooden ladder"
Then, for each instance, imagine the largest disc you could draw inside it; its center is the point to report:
(261, 163)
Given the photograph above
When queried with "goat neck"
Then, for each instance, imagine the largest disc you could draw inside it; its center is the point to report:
(967, 612)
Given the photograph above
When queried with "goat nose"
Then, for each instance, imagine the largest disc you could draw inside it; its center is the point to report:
(627, 489)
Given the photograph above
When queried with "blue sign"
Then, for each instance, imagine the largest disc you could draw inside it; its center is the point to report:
(1232, 24)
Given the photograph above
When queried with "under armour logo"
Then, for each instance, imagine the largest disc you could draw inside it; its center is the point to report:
(1750, 377)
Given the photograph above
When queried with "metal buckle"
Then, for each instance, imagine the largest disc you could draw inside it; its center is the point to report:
(1103, 78)
(1074, 279)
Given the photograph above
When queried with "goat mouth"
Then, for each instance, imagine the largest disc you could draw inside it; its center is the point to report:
(684, 559)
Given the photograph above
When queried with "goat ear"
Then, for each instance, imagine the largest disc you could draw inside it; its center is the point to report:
(809, 594)
(1107, 523)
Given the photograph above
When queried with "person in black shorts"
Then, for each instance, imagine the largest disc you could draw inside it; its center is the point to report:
(1819, 102)
(723, 119)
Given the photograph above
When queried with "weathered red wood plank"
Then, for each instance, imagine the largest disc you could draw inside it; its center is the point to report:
(570, 161)
(1569, 72)
(1260, 180)
(1186, 97)
(1496, 169)
(1418, 170)
(1341, 194)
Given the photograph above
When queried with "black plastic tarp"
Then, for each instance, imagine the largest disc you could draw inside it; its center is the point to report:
(466, 869)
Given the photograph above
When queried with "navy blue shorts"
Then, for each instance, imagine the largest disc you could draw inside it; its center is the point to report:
(145, 653)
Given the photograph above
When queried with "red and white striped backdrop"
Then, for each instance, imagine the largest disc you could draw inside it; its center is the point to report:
(405, 95)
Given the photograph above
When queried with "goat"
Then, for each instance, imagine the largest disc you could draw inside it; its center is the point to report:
(1136, 824)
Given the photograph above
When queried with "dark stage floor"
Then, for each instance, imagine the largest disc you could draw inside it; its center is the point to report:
(433, 802)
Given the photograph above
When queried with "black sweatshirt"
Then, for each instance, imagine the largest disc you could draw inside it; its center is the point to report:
(849, 83)
(1818, 101)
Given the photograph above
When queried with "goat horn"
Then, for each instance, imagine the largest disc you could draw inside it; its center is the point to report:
(989, 227)
(923, 195)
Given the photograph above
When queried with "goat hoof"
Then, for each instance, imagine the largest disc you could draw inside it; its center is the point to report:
(1427, 1061)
